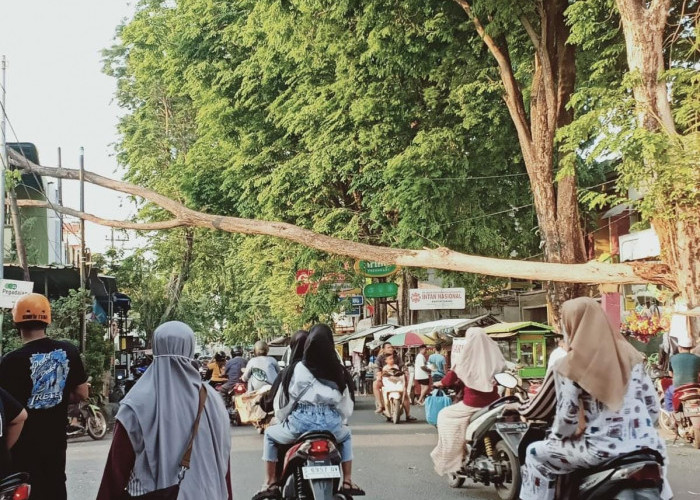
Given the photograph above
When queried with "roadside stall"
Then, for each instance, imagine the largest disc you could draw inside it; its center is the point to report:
(525, 343)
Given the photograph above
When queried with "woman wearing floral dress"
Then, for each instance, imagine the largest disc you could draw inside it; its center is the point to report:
(606, 404)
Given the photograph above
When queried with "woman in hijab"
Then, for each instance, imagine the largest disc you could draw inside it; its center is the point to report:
(474, 365)
(313, 396)
(606, 403)
(155, 421)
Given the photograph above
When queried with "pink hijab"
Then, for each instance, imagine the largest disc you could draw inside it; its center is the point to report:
(478, 361)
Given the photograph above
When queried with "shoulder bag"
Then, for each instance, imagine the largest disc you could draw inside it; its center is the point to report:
(171, 492)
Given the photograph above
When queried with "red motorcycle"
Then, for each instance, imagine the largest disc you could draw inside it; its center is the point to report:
(15, 487)
(686, 413)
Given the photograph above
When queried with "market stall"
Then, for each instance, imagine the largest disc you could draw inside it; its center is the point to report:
(525, 343)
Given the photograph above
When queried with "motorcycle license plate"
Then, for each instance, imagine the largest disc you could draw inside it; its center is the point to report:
(692, 410)
(321, 472)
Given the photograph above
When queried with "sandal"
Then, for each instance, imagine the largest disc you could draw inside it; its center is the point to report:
(411, 419)
(268, 492)
(352, 489)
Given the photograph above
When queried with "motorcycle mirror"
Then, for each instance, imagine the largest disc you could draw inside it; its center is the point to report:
(506, 380)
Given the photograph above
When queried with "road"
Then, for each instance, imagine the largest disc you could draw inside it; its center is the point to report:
(391, 462)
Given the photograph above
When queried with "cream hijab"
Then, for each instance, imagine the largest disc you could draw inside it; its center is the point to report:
(478, 361)
(600, 360)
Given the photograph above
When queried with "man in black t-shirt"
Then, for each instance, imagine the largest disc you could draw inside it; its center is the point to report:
(44, 375)
(12, 418)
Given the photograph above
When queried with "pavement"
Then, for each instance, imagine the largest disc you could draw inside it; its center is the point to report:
(392, 462)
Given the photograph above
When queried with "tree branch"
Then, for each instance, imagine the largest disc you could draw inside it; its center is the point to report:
(514, 98)
(439, 258)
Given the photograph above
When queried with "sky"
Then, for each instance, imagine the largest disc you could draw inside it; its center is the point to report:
(57, 94)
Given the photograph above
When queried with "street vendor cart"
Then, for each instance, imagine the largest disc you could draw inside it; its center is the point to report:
(525, 343)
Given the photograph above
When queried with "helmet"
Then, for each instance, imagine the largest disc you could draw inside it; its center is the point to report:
(261, 348)
(32, 307)
(220, 356)
(237, 351)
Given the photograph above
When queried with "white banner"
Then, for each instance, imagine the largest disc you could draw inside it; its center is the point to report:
(436, 298)
(11, 290)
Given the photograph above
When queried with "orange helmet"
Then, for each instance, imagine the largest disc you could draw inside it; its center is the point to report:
(32, 307)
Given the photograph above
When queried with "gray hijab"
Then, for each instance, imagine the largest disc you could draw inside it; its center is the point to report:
(158, 414)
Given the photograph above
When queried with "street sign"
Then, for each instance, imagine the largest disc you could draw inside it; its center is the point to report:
(303, 284)
(436, 298)
(357, 300)
(380, 290)
(354, 307)
(11, 290)
(375, 269)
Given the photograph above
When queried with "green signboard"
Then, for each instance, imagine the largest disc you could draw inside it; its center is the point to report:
(375, 269)
(380, 290)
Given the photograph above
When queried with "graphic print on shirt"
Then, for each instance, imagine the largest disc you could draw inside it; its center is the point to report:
(49, 371)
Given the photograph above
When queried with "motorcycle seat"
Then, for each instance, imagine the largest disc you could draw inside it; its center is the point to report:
(316, 435)
(479, 413)
(495, 404)
(645, 454)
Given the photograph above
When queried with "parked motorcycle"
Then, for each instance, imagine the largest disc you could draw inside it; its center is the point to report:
(686, 415)
(91, 421)
(15, 487)
(492, 439)
(393, 389)
(312, 469)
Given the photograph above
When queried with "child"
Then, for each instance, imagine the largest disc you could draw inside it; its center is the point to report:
(390, 368)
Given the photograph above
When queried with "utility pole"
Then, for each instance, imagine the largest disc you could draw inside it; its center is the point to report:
(83, 281)
(59, 186)
(3, 164)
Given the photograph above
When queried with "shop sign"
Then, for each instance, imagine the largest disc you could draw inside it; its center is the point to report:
(437, 298)
(11, 290)
(380, 290)
(372, 269)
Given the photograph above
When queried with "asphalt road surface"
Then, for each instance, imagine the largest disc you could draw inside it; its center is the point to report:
(392, 462)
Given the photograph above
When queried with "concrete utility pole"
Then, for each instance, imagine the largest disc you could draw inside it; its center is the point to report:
(3, 164)
(83, 281)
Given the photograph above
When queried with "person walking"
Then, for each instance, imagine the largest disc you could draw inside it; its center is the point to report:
(156, 420)
(317, 386)
(606, 403)
(474, 366)
(422, 374)
(44, 375)
(437, 363)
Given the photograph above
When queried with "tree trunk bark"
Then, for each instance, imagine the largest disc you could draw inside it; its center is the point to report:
(408, 281)
(177, 281)
(643, 26)
(17, 229)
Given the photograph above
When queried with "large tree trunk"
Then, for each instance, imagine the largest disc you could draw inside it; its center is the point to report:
(552, 86)
(178, 280)
(17, 229)
(643, 25)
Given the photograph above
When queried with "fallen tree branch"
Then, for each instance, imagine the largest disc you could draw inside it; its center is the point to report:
(439, 258)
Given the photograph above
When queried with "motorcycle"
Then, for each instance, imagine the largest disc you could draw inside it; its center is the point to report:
(91, 421)
(15, 487)
(237, 389)
(492, 439)
(666, 420)
(686, 415)
(312, 470)
(393, 388)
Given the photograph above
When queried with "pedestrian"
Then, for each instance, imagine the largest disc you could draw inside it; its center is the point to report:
(474, 366)
(313, 396)
(363, 374)
(44, 375)
(606, 403)
(261, 370)
(437, 363)
(422, 375)
(155, 422)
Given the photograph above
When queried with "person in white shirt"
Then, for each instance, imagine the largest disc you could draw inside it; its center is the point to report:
(422, 375)
(262, 370)
(558, 353)
(313, 395)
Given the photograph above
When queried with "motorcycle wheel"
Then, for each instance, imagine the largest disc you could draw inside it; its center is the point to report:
(97, 426)
(696, 439)
(455, 481)
(508, 491)
(395, 411)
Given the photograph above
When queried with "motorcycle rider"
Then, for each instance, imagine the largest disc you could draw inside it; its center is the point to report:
(388, 350)
(215, 370)
(474, 366)
(234, 368)
(684, 368)
(262, 369)
(606, 403)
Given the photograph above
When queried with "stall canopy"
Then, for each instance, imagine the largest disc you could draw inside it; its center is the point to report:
(410, 339)
(450, 327)
(356, 341)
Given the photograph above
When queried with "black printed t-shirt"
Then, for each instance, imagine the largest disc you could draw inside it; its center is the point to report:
(41, 375)
(9, 409)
